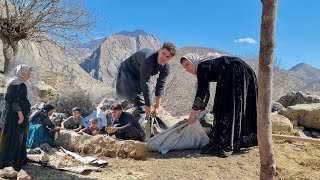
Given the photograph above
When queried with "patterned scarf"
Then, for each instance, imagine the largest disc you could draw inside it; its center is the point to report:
(15, 77)
(195, 59)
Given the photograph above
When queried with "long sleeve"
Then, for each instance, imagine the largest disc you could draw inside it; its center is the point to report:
(161, 81)
(12, 96)
(140, 66)
(203, 91)
(41, 117)
(124, 122)
(145, 84)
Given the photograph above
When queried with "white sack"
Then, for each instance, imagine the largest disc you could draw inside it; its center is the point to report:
(180, 136)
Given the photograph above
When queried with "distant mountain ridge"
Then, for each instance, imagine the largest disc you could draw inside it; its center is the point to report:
(306, 72)
(92, 45)
(134, 33)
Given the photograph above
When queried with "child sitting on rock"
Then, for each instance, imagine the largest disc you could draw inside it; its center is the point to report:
(75, 121)
(93, 129)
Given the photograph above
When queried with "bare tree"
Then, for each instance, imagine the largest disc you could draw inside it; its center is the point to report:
(267, 44)
(41, 20)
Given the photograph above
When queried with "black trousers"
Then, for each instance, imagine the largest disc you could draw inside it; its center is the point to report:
(130, 133)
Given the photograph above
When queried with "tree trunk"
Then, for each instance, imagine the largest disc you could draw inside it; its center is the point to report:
(267, 44)
(10, 50)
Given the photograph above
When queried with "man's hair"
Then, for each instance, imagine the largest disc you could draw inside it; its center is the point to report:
(76, 109)
(170, 47)
(116, 106)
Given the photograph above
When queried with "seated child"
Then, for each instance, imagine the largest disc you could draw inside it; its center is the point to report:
(73, 122)
(93, 129)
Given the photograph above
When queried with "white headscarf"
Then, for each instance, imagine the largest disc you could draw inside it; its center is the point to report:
(195, 59)
(15, 77)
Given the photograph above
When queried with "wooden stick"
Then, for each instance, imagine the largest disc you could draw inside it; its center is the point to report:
(296, 138)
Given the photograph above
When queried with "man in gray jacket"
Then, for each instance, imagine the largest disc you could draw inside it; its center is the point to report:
(133, 81)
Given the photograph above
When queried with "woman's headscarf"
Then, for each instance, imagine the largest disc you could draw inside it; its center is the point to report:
(195, 59)
(48, 107)
(15, 77)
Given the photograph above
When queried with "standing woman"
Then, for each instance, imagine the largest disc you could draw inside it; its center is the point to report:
(13, 138)
(235, 102)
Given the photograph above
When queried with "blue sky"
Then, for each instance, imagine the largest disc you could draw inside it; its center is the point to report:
(232, 26)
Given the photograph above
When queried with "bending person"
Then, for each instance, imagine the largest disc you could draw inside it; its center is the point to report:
(133, 80)
(235, 102)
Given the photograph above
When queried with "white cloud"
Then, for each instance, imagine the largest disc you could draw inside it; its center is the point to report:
(245, 40)
(97, 38)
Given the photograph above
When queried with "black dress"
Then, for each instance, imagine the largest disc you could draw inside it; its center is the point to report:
(235, 102)
(14, 138)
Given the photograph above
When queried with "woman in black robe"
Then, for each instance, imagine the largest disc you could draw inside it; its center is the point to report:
(13, 138)
(235, 102)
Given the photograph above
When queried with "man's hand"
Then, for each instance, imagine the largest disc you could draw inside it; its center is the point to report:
(113, 130)
(149, 110)
(156, 111)
(21, 117)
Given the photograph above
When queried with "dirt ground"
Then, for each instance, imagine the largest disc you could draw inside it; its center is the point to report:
(295, 160)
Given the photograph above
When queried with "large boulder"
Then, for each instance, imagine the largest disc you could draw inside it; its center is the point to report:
(307, 115)
(293, 98)
(8, 172)
(276, 106)
(102, 145)
(22, 175)
(44, 91)
(281, 124)
(65, 103)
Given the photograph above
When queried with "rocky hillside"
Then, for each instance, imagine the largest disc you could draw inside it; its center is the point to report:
(82, 51)
(104, 61)
(305, 72)
(56, 76)
(309, 75)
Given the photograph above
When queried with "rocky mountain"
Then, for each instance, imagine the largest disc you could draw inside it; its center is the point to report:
(306, 72)
(103, 63)
(134, 33)
(91, 45)
(84, 50)
(81, 51)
